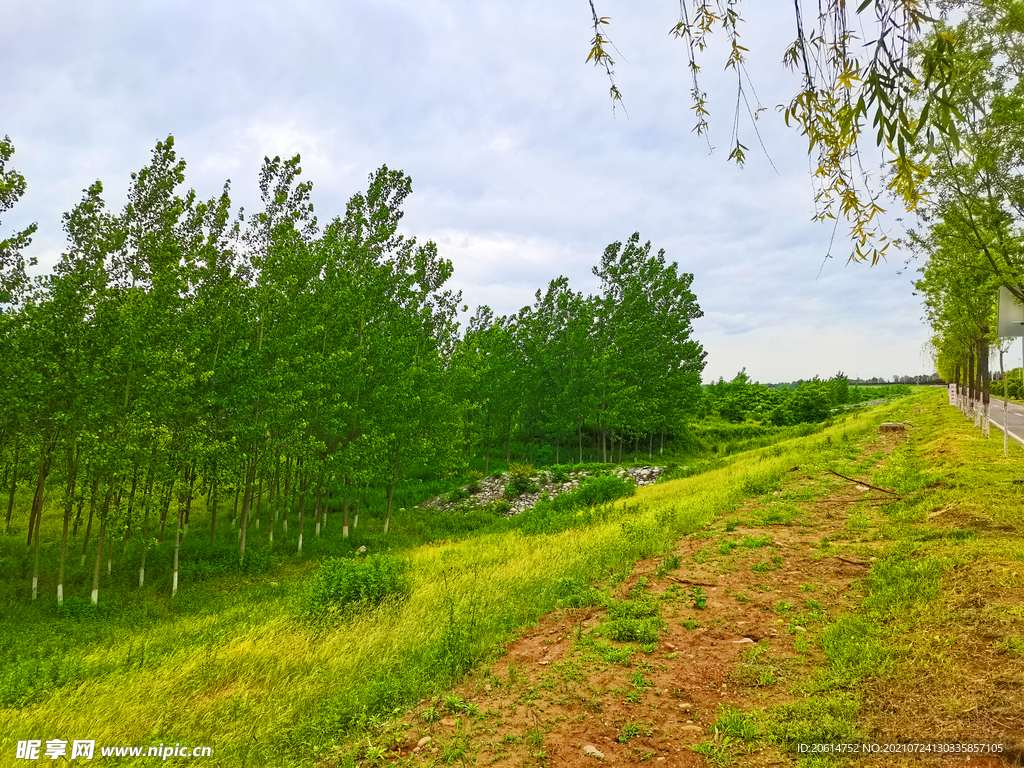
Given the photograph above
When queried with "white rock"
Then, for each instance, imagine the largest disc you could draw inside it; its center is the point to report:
(593, 751)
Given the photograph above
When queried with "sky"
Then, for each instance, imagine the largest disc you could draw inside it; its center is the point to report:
(521, 169)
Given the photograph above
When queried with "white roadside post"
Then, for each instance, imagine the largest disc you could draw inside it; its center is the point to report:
(1009, 322)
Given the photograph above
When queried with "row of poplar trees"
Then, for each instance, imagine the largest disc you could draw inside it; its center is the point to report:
(970, 227)
(180, 357)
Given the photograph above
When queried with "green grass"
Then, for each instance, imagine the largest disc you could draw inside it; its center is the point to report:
(230, 663)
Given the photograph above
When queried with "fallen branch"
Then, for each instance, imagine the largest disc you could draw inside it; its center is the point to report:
(861, 482)
(692, 582)
(851, 562)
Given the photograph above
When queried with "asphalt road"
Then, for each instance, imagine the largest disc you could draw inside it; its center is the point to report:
(1014, 418)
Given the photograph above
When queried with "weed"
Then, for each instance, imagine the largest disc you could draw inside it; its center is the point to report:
(691, 624)
(700, 599)
(755, 542)
(814, 720)
(735, 722)
(632, 630)
(726, 547)
(670, 563)
(730, 525)
(1014, 646)
(756, 667)
(715, 754)
(853, 646)
(454, 703)
(348, 584)
(783, 608)
(631, 730)
(775, 564)
(764, 481)
(901, 582)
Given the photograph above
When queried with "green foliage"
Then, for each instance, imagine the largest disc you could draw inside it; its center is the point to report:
(576, 508)
(814, 720)
(762, 481)
(735, 722)
(853, 644)
(520, 478)
(348, 584)
(700, 599)
(901, 581)
(903, 471)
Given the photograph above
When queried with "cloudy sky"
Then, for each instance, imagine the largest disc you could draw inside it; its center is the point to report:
(521, 171)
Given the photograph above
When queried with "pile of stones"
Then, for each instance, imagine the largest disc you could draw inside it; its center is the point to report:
(492, 490)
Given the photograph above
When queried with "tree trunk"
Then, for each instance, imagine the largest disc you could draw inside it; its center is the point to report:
(145, 529)
(243, 525)
(387, 516)
(213, 512)
(14, 484)
(99, 559)
(986, 383)
(166, 509)
(37, 511)
(319, 502)
(131, 501)
(177, 548)
(259, 502)
(104, 513)
(69, 504)
(344, 511)
(302, 508)
(92, 510)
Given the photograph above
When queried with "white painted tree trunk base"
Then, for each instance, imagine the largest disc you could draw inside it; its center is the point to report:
(142, 576)
(174, 585)
(344, 531)
(60, 594)
(35, 586)
(984, 420)
(300, 542)
(95, 595)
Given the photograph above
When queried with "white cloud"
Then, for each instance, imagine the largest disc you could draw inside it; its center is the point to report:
(520, 170)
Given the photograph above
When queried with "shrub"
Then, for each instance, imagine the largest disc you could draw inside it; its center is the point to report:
(601, 490)
(559, 475)
(519, 480)
(456, 496)
(347, 584)
(474, 481)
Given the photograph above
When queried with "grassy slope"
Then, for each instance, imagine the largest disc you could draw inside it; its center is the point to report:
(238, 672)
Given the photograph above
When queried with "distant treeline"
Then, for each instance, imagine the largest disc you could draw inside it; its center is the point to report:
(808, 402)
(919, 380)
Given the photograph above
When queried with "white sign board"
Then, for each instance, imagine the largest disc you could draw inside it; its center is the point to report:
(1011, 314)
(952, 394)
